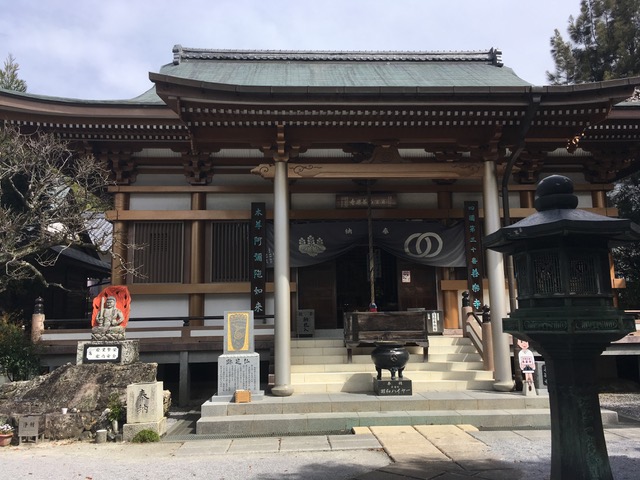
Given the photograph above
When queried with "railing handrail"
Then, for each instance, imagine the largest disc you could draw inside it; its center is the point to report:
(186, 320)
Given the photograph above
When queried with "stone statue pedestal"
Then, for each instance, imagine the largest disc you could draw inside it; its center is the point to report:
(123, 352)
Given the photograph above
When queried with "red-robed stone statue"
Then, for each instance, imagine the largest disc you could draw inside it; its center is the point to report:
(110, 313)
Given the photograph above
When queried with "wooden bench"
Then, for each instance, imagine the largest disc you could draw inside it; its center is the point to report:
(367, 328)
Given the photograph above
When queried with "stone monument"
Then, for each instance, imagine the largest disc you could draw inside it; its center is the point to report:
(108, 323)
(145, 410)
(239, 365)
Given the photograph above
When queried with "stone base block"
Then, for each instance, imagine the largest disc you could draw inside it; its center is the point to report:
(529, 390)
(392, 387)
(130, 430)
(122, 352)
(256, 395)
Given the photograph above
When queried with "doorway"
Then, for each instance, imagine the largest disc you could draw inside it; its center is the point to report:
(342, 285)
(352, 281)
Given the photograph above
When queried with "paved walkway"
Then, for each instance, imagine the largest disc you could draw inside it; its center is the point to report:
(377, 453)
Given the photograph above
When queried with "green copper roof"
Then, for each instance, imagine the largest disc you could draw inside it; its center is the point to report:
(342, 69)
(147, 98)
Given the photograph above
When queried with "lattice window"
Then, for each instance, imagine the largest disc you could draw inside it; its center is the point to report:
(582, 275)
(230, 252)
(547, 279)
(161, 258)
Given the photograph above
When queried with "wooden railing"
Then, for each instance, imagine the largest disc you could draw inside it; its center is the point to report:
(175, 331)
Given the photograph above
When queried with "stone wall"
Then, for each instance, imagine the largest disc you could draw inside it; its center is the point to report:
(84, 390)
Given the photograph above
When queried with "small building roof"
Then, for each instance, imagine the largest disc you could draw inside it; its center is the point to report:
(341, 69)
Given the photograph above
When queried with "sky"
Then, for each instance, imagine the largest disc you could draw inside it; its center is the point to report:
(105, 49)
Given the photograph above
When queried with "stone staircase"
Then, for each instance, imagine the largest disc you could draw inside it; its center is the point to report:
(319, 365)
(333, 396)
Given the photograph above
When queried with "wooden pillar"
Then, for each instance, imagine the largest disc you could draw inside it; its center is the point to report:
(449, 297)
(495, 274)
(282, 291)
(450, 306)
(527, 199)
(599, 199)
(120, 240)
(196, 263)
(184, 387)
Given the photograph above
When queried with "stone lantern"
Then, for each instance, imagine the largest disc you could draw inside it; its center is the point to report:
(566, 312)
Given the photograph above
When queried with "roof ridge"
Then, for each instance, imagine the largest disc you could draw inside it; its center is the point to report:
(180, 53)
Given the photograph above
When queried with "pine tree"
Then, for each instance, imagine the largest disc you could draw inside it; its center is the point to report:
(9, 79)
(604, 44)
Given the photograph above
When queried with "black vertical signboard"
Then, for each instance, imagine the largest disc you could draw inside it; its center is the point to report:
(257, 261)
(474, 254)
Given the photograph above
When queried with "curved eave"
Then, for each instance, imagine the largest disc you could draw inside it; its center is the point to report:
(32, 108)
(613, 91)
(129, 125)
(562, 223)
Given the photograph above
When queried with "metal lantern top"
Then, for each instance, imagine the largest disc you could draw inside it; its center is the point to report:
(558, 217)
(561, 254)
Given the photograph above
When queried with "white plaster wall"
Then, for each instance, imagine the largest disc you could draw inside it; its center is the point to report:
(313, 201)
(218, 304)
(248, 179)
(175, 179)
(144, 306)
(417, 200)
(237, 202)
(460, 197)
(584, 200)
(159, 201)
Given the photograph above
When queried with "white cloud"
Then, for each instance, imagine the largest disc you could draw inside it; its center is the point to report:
(97, 49)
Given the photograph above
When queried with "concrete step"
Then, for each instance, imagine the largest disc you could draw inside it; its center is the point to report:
(299, 355)
(369, 367)
(434, 340)
(340, 412)
(366, 359)
(357, 385)
(367, 377)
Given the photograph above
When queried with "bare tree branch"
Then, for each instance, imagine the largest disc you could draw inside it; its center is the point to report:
(49, 197)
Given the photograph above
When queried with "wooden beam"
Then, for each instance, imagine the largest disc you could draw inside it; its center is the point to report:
(434, 171)
(320, 214)
(203, 288)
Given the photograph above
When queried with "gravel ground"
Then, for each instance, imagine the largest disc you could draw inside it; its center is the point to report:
(528, 450)
(626, 404)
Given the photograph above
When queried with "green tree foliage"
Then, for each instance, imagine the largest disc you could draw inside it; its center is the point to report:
(626, 197)
(604, 43)
(18, 356)
(9, 79)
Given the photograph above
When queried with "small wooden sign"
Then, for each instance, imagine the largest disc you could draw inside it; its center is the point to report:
(378, 200)
(242, 396)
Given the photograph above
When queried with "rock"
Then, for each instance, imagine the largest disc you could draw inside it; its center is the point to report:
(83, 389)
(59, 426)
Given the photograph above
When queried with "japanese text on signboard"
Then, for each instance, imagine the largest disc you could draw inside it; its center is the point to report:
(257, 261)
(473, 250)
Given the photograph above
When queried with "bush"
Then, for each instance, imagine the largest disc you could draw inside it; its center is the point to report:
(117, 410)
(18, 357)
(146, 436)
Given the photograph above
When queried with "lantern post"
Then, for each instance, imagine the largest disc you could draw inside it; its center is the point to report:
(566, 312)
